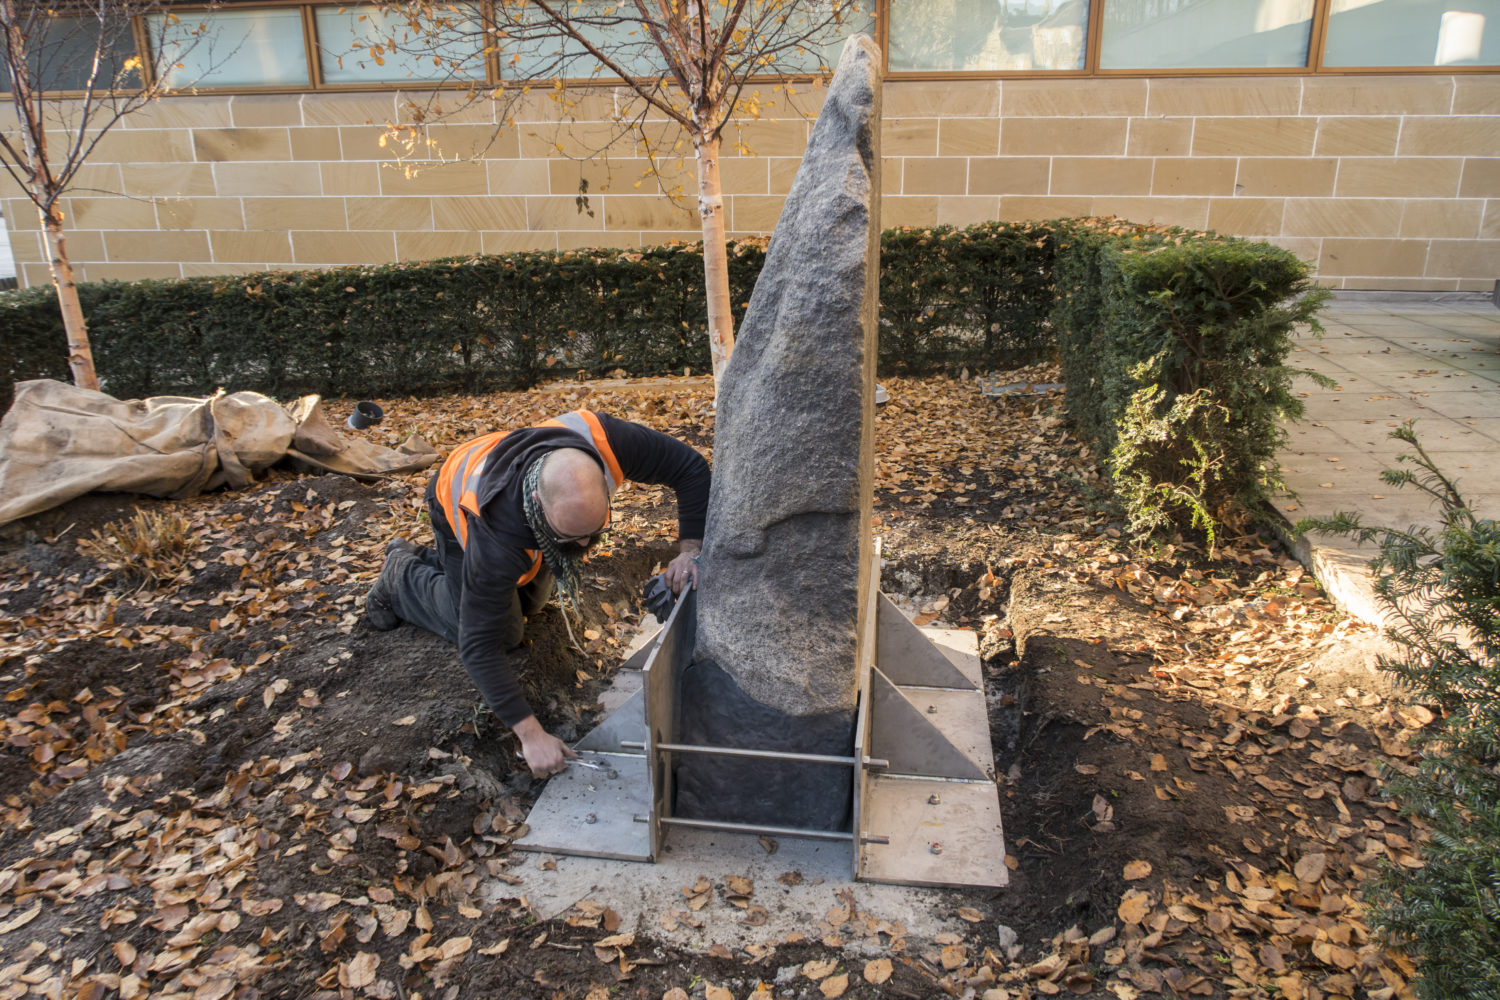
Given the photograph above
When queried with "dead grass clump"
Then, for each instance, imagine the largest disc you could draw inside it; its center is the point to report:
(147, 550)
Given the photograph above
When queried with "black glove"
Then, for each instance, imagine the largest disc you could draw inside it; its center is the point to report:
(658, 597)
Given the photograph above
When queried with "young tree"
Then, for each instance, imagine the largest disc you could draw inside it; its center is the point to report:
(73, 71)
(689, 61)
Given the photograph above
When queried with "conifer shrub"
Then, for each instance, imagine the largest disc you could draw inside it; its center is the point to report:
(1441, 593)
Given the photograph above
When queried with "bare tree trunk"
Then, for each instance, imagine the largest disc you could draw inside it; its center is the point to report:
(715, 258)
(80, 354)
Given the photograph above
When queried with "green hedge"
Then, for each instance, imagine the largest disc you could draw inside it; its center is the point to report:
(1172, 343)
(1174, 348)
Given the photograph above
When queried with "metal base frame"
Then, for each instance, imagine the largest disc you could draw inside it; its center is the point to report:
(926, 806)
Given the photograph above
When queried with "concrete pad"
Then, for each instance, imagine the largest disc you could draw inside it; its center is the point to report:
(1437, 362)
(796, 885)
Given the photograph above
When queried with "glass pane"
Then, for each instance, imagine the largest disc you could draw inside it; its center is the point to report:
(1413, 33)
(536, 50)
(60, 51)
(219, 48)
(369, 45)
(1205, 34)
(988, 34)
(826, 28)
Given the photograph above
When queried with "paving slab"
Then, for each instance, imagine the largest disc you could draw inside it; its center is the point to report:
(1437, 362)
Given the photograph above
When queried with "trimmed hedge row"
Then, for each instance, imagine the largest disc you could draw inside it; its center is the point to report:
(1173, 343)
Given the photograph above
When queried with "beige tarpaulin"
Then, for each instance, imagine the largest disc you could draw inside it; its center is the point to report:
(58, 442)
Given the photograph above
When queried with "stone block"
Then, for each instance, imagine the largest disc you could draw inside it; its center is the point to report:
(518, 177)
(909, 137)
(1476, 135)
(1064, 98)
(1246, 216)
(255, 179)
(1489, 228)
(1100, 175)
(934, 175)
(1477, 94)
(1160, 137)
(1063, 137)
(781, 171)
(111, 213)
(1464, 259)
(1188, 175)
(560, 213)
(479, 214)
(1357, 136)
(909, 211)
(967, 211)
(517, 241)
(740, 175)
(1026, 208)
(295, 213)
(390, 213)
(131, 146)
(249, 247)
(1403, 177)
(627, 211)
(1285, 176)
(144, 180)
(766, 138)
(153, 247)
(349, 178)
(343, 248)
(321, 144)
(971, 98)
(466, 177)
(1009, 174)
(265, 110)
(1251, 96)
(431, 246)
(584, 240)
(1457, 219)
(967, 137)
(1190, 213)
(348, 109)
(1481, 178)
(200, 213)
(108, 271)
(181, 112)
(237, 145)
(1393, 258)
(1342, 217)
(1254, 136)
(1377, 95)
(754, 213)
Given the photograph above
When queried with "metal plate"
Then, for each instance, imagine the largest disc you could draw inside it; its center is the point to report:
(906, 654)
(660, 686)
(964, 823)
(905, 734)
(625, 724)
(613, 795)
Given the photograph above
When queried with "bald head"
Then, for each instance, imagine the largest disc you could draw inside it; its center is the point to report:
(574, 493)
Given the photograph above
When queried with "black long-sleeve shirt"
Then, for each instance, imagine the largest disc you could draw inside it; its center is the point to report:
(489, 618)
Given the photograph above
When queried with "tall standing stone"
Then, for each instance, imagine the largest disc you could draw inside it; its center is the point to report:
(786, 563)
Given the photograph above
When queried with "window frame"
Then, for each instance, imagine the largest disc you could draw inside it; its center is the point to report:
(1093, 43)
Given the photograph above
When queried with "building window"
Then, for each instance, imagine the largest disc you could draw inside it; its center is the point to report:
(1205, 34)
(1413, 33)
(370, 45)
(61, 50)
(835, 27)
(232, 48)
(979, 35)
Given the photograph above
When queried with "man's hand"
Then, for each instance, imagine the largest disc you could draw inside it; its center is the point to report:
(545, 754)
(683, 570)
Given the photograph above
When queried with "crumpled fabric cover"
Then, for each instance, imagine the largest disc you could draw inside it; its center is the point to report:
(58, 442)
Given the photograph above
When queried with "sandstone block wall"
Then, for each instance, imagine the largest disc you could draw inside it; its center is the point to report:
(1385, 182)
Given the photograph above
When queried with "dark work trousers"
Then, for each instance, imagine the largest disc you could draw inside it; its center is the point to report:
(426, 586)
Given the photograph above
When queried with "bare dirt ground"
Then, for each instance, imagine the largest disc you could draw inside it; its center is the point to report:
(219, 782)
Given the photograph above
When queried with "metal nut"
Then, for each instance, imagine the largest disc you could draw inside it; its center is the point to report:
(591, 818)
(934, 800)
(932, 710)
(935, 848)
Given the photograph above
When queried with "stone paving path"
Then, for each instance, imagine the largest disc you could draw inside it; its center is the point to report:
(1436, 362)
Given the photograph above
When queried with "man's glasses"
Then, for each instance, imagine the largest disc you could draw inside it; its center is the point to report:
(575, 541)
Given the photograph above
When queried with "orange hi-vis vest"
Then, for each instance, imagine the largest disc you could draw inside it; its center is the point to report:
(458, 479)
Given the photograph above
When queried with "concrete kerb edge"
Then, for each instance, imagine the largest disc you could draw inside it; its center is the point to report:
(1344, 575)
